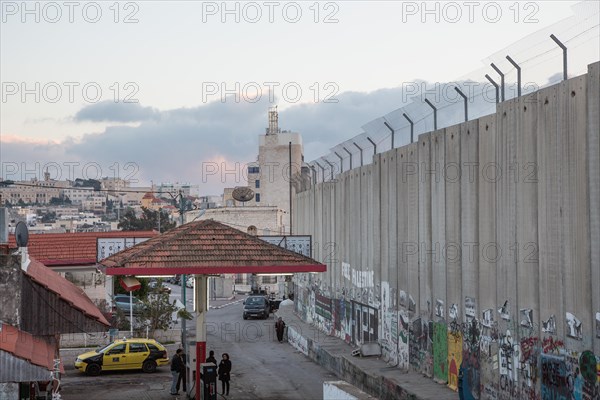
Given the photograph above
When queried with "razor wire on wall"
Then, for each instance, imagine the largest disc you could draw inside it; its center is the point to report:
(552, 54)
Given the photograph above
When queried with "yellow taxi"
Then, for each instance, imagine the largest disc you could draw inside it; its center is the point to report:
(144, 354)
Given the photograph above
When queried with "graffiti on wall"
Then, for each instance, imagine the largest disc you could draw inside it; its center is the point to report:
(554, 378)
(455, 350)
(420, 344)
(440, 351)
(402, 339)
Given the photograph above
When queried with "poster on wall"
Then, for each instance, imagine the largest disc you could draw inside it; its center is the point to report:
(574, 327)
(488, 318)
(598, 324)
(439, 308)
(504, 311)
(470, 310)
(549, 326)
(527, 317)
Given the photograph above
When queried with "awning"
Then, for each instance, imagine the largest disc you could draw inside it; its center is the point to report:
(207, 248)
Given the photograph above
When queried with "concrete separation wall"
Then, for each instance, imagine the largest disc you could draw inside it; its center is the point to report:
(476, 246)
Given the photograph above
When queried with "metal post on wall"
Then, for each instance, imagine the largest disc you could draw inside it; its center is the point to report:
(434, 114)
(465, 100)
(518, 68)
(391, 130)
(374, 145)
(361, 154)
(350, 154)
(501, 79)
(322, 170)
(412, 127)
(330, 166)
(564, 49)
(341, 161)
(489, 78)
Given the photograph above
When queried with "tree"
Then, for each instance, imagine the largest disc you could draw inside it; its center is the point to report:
(49, 217)
(146, 222)
(158, 312)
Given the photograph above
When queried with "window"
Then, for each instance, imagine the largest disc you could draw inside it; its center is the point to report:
(137, 347)
(269, 279)
(257, 197)
(153, 347)
(257, 184)
(253, 170)
(118, 349)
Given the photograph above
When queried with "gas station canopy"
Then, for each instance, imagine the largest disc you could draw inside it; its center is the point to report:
(207, 248)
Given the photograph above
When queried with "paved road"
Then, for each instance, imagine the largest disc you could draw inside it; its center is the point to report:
(263, 368)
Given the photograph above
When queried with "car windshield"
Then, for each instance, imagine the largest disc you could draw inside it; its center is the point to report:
(255, 300)
(102, 349)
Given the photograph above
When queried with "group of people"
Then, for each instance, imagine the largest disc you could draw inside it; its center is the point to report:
(178, 371)
(224, 367)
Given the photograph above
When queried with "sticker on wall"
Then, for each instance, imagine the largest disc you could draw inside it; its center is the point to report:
(453, 311)
(598, 324)
(504, 311)
(527, 317)
(549, 326)
(439, 308)
(470, 309)
(574, 328)
(487, 318)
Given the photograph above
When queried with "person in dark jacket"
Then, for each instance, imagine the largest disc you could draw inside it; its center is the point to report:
(280, 328)
(211, 358)
(176, 367)
(224, 373)
(182, 378)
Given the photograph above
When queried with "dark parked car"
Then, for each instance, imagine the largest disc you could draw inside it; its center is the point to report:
(256, 306)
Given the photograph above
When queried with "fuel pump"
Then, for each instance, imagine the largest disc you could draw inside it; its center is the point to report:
(209, 381)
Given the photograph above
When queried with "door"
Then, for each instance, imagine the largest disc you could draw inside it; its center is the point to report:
(138, 353)
(115, 357)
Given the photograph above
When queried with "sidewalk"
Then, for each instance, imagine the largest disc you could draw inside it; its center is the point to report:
(370, 374)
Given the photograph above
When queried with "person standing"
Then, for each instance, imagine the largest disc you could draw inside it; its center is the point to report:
(176, 368)
(211, 358)
(280, 328)
(224, 373)
(182, 377)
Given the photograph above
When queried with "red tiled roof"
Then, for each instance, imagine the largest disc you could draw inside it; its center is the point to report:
(61, 249)
(28, 347)
(207, 247)
(67, 291)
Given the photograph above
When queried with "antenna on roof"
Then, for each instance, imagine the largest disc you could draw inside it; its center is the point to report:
(273, 121)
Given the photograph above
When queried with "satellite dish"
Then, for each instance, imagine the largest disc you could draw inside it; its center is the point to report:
(21, 234)
(243, 194)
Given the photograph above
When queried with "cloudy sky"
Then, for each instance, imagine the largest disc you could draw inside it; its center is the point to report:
(162, 91)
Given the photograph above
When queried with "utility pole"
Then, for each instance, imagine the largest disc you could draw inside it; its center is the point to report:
(183, 286)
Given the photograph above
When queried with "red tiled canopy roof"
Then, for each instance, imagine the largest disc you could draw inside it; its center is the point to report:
(63, 249)
(207, 247)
